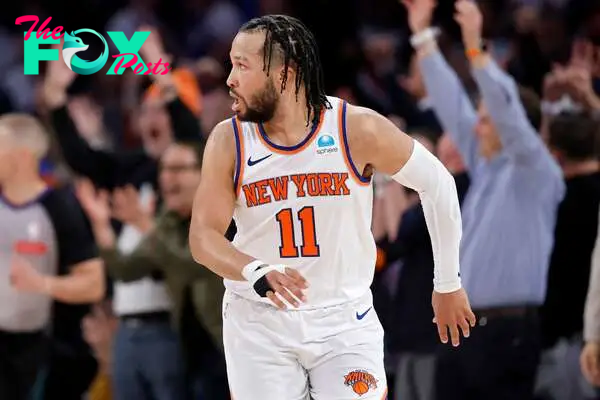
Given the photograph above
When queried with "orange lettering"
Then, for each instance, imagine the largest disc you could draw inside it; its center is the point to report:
(339, 184)
(326, 188)
(299, 180)
(279, 187)
(309, 248)
(288, 247)
(261, 187)
(312, 184)
(250, 195)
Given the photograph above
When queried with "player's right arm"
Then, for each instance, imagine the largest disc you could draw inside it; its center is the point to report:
(213, 208)
(211, 215)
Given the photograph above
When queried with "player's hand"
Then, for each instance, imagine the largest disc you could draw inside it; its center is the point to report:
(590, 362)
(452, 312)
(289, 285)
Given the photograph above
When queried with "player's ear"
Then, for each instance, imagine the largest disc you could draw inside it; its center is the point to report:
(281, 72)
(290, 72)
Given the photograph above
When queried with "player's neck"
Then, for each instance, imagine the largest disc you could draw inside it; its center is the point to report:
(20, 189)
(289, 121)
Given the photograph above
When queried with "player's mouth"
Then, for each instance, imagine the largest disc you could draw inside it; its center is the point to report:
(235, 107)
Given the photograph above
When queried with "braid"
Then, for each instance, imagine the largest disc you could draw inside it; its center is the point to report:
(288, 38)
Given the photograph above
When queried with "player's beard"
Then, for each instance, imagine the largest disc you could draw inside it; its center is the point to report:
(262, 105)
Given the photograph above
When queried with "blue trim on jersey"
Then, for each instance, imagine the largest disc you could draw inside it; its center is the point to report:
(238, 154)
(15, 206)
(347, 147)
(263, 133)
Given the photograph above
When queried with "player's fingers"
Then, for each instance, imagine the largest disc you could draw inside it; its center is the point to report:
(594, 367)
(283, 284)
(292, 273)
(454, 334)
(281, 291)
(292, 286)
(287, 295)
(471, 317)
(271, 295)
(464, 327)
(443, 332)
(586, 367)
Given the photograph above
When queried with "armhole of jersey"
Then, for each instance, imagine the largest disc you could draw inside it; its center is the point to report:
(356, 175)
(239, 155)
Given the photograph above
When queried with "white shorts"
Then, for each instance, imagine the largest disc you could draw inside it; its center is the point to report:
(333, 353)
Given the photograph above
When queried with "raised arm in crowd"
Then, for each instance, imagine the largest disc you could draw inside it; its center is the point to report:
(110, 169)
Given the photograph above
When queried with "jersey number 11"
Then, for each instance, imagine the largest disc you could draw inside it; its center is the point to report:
(288, 248)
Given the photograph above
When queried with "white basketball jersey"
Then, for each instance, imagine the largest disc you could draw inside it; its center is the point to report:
(305, 206)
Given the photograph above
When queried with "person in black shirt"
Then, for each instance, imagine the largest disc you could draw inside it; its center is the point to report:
(50, 265)
(412, 346)
(172, 114)
(573, 141)
(108, 169)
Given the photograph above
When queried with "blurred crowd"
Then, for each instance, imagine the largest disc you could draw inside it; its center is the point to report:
(122, 155)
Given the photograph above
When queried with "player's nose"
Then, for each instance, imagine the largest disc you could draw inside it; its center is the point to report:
(231, 80)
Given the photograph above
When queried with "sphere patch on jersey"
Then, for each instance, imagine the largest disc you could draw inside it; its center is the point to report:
(325, 141)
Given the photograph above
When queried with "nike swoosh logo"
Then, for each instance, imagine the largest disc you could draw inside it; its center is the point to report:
(254, 162)
(361, 316)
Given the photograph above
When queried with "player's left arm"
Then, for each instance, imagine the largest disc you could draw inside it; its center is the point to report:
(376, 141)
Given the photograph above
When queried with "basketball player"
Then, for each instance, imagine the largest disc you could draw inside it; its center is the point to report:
(293, 168)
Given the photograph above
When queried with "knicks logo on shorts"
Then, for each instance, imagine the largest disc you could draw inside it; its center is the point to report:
(360, 381)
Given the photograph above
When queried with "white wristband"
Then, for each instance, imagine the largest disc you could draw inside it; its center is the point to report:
(256, 269)
(250, 268)
(426, 35)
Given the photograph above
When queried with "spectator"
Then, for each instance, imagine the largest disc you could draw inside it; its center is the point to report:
(99, 328)
(508, 213)
(415, 345)
(412, 84)
(167, 110)
(590, 355)
(165, 249)
(157, 127)
(573, 140)
(48, 254)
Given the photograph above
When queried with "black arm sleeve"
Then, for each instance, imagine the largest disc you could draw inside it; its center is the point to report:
(74, 236)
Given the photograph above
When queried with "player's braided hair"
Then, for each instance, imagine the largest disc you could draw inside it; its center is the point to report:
(290, 39)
